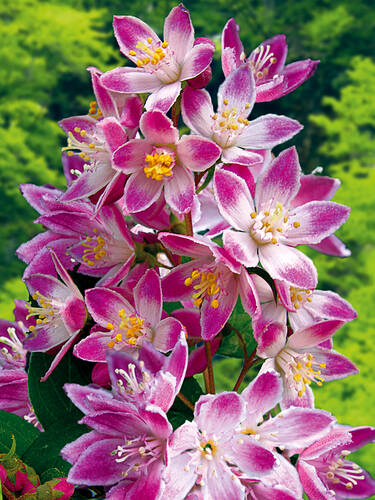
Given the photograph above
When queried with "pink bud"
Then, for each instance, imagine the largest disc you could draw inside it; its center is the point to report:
(100, 375)
(201, 80)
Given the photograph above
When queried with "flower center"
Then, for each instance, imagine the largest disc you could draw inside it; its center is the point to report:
(132, 385)
(94, 249)
(90, 149)
(138, 453)
(46, 312)
(159, 164)
(208, 449)
(228, 123)
(346, 473)
(94, 111)
(269, 225)
(261, 60)
(130, 330)
(14, 352)
(206, 287)
(299, 296)
(300, 369)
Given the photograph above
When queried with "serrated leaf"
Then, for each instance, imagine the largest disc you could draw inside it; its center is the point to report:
(231, 345)
(48, 399)
(24, 432)
(44, 453)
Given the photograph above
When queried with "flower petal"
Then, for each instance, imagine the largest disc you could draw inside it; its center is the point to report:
(242, 247)
(148, 298)
(314, 334)
(197, 60)
(241, 156)
(141, 192)
(163, 98)
(263, 394)
(230, 40)
(179, 190)
(197, 110)
(129, 31)
(179, 32)
(130, 80)
(197, 153)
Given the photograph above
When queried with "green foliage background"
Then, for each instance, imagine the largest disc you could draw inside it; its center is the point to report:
(45, 46)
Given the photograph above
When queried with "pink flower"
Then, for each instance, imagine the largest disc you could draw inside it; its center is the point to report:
(161, 66)
(268, 229)
(212, 280)
(61, 313)
(327, 473)
(128, 444)
(162, 160)
(208, 454)
(229, 126)
(128, 326)
(273, 79)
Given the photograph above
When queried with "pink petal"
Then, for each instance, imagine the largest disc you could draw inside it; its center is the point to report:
(248, 292)
(48, 286)
(176, 362)
(219, 413)
(268, 131)
(88, 183)
(186, 245)
(332, 245)
(197, 153)
(179, 32)
(225, 485)
(272, 89)
(141, 192)
(114, 134)
(179, 190)
(317, 219)
(239, 90)
(104, 305)
(271, 337)
(241, 156)
(288, 264)
(311, 482)
(330, 305)
(263, 394)
(336, 365)
(64, 349)
(233, 198)
(297, 73)
(230, 40)
(197, 60)
(163, 98)
(173, 284)
(315, 187)
(242, 247)
(280, 181)
(131, 30)
(253, 459)
(93, 347)
(131, 156)
(158, 128)
(197, 110)
(314, 334)
(167, 333)
(103, 97)
(130, 80)
(148, 297)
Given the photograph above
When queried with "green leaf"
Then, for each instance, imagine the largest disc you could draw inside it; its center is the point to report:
(24, 432)
(231, 345)
(179, 411)
(51, 473)
(44, 452)
(48, 399)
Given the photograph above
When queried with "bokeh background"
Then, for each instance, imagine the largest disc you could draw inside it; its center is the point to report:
(45, 48)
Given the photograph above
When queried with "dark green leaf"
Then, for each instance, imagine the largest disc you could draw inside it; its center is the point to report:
(24, 432)
(239, 321)
(51, 473)
(48, 398)
(179, 411)
(44, 452)
(177, 419)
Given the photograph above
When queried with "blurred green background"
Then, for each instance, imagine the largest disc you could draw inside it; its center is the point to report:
(45, 47)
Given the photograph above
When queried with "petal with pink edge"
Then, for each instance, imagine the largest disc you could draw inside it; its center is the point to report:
(249, 295)
(219, 413)
(197, 110)
(315, 187)
(297, 73)
(130, 80)
(268, 131)
(234, 200)
(254, 460)
(314, 334)
(336, 365)
(230, 40)
(311, 482)
(157, 421)
(179, 32)
(327, 304)
(148, 298)
(93, 348)
(224, 485)
(158, 128)
(167, 333)
(173, 284)
(317, 220)
(238, 90)
(242, 247)
(241, 156)
(104, 305)
(332, 246)
(280, 181)
(163, 98)
(141, 192)
(179, 190)
(186, 245)
(263, 394)
(129, 31)
(197, 60)
(131, 156)
(197, 153)
(271, 90)
(113, 132)
(288, 264)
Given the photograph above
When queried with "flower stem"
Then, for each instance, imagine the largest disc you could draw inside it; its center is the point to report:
(189, 224)
(211, 381)
(247, 364)
(185, 401)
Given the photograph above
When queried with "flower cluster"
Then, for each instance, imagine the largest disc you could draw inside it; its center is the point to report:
(155, 245)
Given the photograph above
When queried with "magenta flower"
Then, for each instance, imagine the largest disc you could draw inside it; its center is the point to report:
(61, 313)
(208, 454)
(128, 444)
(267, 62)
(229, 126)
(301, 360)
(161, 65)
(128, 326)
(162, 160)
(326, 472)
(268, 229)
(212, 280)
